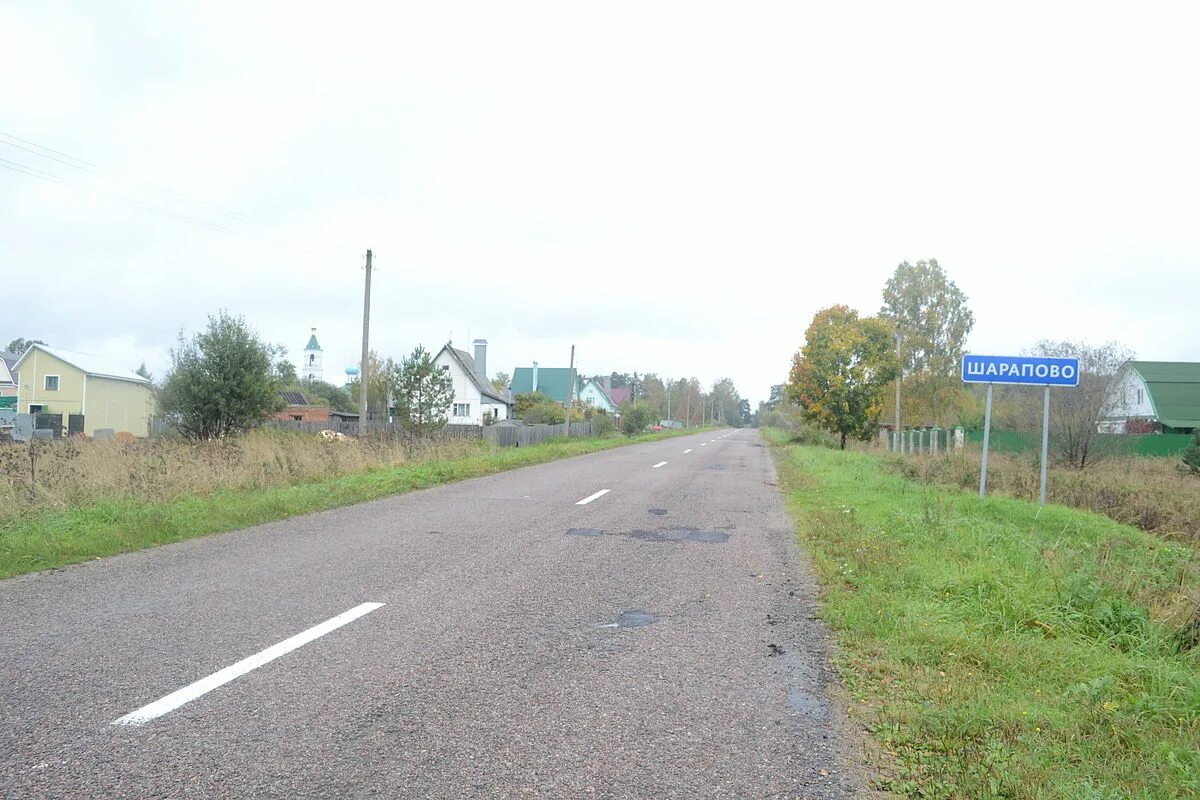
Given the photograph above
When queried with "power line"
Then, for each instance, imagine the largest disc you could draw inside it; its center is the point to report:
(88, 166)
(33, 172)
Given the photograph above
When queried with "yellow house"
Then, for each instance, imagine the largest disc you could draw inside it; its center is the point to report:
(56, 381)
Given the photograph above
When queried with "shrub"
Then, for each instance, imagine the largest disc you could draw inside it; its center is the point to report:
(547, 413)
(602, 424)
(635, 418)
(221, 382)
(1190, 457)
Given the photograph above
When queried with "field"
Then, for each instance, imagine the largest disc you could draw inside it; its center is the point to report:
(70, 501)
(999, 650)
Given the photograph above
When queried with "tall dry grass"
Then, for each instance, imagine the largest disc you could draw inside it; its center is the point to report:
(1148, 493)
(41, 476)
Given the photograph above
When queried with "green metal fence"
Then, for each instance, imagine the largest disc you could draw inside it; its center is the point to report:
(1155, 445)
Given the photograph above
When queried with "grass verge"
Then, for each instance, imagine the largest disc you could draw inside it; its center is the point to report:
(50, 539)
(999, 652)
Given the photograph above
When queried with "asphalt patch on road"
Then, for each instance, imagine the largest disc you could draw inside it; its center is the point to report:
(678, 535)
(658, 535)
(708, 537)
(585, 532)
(635, 619)
(658, 512)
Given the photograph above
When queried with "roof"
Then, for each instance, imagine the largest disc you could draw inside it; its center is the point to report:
(552, 381)
(6, 378)
(467, 362)
(294, 398)
(312, 342)
(95, 366)
(619, 395)
(10, 359)
(1174, 388)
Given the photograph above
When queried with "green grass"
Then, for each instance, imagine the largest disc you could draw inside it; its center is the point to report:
(996, 651)
(38, 541)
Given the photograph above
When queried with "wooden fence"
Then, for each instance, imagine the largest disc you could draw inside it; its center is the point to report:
(525, 435)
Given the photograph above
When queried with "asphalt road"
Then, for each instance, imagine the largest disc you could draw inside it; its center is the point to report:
(657, 641)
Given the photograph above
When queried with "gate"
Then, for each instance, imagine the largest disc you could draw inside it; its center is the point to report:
(49, 422)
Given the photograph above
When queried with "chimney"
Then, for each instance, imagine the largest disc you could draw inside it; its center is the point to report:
(534, 389)
(481, 360)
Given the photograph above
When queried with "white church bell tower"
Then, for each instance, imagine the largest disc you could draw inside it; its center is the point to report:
(310, 367)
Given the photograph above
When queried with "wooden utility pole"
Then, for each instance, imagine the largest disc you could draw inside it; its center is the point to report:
(570, 388)
(365, 366)
(687, 415)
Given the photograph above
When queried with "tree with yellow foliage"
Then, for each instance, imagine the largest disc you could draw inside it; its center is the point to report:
(840, 375)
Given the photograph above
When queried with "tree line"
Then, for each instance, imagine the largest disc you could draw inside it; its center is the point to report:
(851, 370)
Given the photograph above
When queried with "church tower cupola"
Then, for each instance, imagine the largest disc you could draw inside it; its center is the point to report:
(310, 366)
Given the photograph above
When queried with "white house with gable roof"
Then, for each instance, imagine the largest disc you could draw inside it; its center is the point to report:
(475, 399)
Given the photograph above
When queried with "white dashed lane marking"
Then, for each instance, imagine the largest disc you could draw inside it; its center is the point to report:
(592, 497)
(203, 686)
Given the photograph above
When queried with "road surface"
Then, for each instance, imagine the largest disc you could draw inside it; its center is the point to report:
(634, 623)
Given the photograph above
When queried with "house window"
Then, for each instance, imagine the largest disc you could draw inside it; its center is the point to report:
(462, 409)
(36, 408)
(1140, 397)
(297, 417)
(51, 383)
(445, 367)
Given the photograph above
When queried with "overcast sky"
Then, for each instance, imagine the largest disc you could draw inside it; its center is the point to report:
(673, 188)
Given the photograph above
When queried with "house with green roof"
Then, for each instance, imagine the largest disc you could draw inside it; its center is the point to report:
(1154, 397)
(551, 381)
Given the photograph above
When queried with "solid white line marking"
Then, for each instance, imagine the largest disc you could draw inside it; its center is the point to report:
(205, 685)
(685, 452)
(659, 464)
(592, 497)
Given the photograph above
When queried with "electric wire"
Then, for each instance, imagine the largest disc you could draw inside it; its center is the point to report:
(33, 172)
(95, 169)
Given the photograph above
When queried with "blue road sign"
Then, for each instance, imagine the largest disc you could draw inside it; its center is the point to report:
(1027, 370)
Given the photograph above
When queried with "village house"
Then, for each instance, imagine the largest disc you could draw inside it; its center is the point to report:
(596, 395)
(1154, 397)
(550, 381)
(91, 393)
(476, 401)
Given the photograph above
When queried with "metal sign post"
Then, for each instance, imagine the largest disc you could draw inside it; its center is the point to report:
(987, 435)
(1023, 371)
(1045, 443)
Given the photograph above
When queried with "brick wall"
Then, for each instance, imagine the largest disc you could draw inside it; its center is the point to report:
(304, 414)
